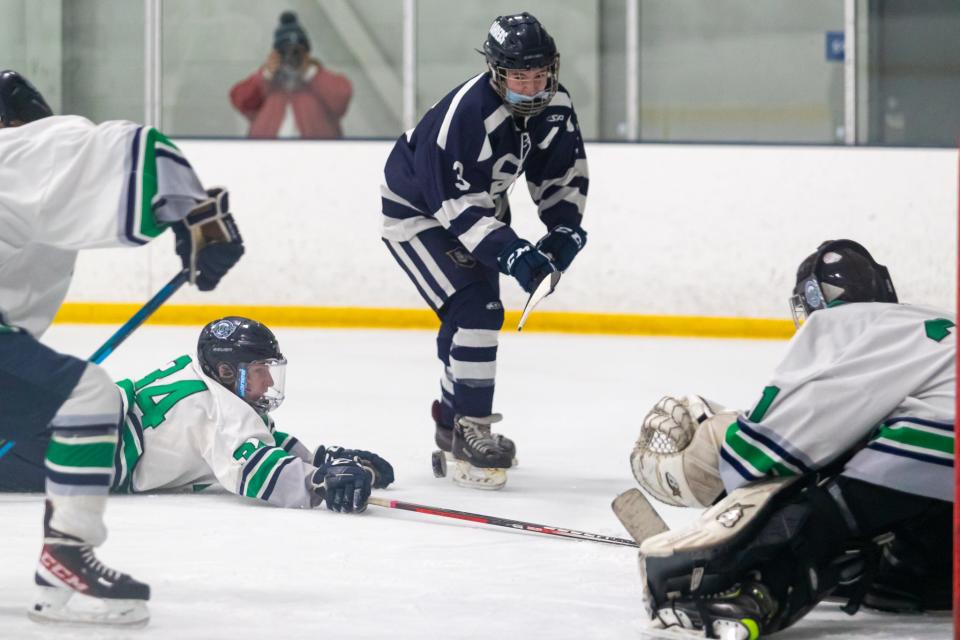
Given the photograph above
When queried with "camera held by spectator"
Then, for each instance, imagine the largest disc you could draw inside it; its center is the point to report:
(293, 94)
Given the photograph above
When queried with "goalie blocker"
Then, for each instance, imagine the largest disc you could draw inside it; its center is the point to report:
(764, 556)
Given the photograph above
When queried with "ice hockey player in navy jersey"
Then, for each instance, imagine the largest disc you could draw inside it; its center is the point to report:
(68, 185)
(446, 220)
(837, 484)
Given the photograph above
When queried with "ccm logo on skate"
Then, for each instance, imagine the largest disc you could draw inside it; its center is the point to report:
(61, 572)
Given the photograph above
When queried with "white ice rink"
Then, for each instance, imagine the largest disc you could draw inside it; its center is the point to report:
(224, 567)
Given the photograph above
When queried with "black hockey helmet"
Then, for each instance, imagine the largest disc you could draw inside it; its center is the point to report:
(839, 271)
(520, 42)
(243, 355)
(20, 101)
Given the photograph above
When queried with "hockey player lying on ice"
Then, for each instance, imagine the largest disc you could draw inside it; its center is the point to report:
(206, 420)
(837, 484)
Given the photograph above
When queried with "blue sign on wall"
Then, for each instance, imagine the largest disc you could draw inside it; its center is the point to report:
(835, 46)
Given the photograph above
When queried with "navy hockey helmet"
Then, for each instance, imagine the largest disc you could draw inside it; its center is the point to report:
(20, 101)
(519, 42)
(243, 355)
(839, 271)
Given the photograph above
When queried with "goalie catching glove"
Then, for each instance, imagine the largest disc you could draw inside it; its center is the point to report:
(676, 456)
(207, 240)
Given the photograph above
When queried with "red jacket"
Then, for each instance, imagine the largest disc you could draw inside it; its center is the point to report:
(317, 107)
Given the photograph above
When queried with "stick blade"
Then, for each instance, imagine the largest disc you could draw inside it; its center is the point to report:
(545, 288)
(637, 515)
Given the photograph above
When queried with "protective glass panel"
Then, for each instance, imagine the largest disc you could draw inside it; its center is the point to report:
(741, 71)
(85, 56)
(230, 69)
(911, 87)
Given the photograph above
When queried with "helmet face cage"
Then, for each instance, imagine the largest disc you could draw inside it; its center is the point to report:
(861, 279)
(519, 42)
(526, 106)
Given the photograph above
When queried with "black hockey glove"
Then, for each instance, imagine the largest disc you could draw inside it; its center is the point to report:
(343, 484)
(562, 244)
(380, 470)
(525, 263)
(208, 241)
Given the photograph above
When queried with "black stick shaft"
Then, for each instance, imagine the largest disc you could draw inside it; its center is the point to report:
(502, 522)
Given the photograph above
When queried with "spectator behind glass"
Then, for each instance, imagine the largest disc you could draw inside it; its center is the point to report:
(292, 95)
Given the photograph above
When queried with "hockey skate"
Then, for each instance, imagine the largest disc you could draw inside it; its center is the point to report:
(743, 612)
(479, 462)
(443, 436)
(74, 587)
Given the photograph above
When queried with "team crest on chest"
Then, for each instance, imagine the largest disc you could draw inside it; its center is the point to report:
(462, 258)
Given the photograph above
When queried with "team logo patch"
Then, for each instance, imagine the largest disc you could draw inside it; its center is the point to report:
(674, 485)
(462, 258)
(733, 515)
(499, 33)
(223, 329)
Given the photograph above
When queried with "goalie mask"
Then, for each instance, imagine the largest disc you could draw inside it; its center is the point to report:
(243, 356)
(839, 271)
(520, 43)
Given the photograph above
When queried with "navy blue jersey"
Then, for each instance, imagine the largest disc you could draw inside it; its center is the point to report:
(455, 167)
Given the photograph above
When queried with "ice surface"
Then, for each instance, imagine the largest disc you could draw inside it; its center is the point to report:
(224, 567)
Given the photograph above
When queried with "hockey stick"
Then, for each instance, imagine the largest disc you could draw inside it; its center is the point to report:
(138, 318)
(501, 522)
(637, 515)
(544, 288)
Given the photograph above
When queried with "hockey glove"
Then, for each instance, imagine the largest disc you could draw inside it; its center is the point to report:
(525, 263)
(380, 470)
(344, 484)
(562, 244)
(208, 241)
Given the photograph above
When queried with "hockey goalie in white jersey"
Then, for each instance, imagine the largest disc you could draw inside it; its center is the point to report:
(837, 484)
(207, 421)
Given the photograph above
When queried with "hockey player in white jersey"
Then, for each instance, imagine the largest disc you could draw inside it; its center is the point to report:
(68, 185)
(206, 420)
(838, 483)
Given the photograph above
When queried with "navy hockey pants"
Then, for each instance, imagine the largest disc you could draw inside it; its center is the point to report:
(465, 295)
(35, 381)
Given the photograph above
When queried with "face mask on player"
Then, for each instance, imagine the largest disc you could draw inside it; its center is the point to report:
(261, 383)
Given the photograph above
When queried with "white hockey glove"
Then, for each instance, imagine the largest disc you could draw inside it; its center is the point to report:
(676, 456)
(208, 241)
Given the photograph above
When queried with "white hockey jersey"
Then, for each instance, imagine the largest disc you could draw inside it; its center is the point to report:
(872, 379)
(183, 429)
(66, 185)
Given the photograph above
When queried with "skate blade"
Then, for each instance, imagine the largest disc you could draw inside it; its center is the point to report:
(53, 606)
(467, 475)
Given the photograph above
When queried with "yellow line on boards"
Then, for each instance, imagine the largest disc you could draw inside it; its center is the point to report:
(387, 318)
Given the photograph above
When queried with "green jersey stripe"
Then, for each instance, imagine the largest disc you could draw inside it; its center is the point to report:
(908, 435)
(258, 480)
(754, 455)
(81, 454)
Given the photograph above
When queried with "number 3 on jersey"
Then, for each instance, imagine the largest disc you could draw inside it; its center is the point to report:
(461, 184)
(156, 400)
